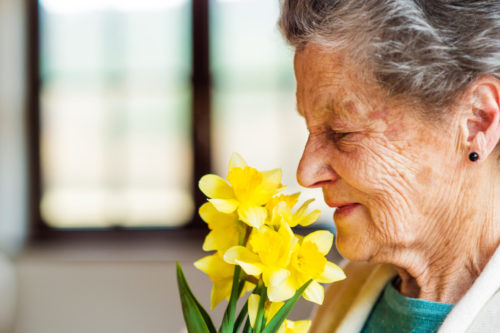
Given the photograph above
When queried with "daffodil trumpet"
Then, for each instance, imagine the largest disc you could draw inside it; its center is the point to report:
(256, 251)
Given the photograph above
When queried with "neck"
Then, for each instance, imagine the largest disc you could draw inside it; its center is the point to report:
(445, 266)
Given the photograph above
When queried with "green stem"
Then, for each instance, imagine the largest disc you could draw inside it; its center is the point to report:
(260, 312)
(244, 233)
(228, 320)
(264, 321)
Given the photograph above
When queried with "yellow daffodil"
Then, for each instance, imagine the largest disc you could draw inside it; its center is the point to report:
(251, 228)
(309, 262)
(248, 190)
(289, 199)
(268, 254)
(221, 274)
(224, 228)
(281, 208)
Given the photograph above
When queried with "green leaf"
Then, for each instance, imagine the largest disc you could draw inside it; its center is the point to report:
(196, 318)
(227, 325)
(264, 321)
(285, 310)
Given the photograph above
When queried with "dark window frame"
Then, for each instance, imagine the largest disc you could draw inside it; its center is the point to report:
(201, 85)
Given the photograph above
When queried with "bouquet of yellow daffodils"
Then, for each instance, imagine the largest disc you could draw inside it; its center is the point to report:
(257, 251)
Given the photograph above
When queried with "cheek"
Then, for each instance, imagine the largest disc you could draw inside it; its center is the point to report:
(373, 165)
(385, 181)
(425, 176)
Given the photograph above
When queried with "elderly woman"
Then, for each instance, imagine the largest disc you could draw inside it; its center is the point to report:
(402, 102)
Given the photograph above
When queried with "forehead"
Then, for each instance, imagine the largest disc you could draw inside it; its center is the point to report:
(330, 79)
(313, 59)
(316, 69)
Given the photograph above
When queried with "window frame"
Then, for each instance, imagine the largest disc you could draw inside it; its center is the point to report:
(201, 86)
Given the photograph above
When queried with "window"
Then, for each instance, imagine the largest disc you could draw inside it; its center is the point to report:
(114, 113)
(124, 105)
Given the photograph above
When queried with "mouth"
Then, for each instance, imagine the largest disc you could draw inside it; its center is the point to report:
(345, 209)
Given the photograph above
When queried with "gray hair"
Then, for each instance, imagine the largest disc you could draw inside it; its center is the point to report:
(426, 51)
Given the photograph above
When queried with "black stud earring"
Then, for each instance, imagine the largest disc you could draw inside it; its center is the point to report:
(473, 156)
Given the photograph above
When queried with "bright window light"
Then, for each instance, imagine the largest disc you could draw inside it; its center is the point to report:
(68, 6)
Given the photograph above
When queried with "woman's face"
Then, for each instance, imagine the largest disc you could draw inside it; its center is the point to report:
(390, 173)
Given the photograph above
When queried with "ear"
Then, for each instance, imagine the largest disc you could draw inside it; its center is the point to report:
(483, 116)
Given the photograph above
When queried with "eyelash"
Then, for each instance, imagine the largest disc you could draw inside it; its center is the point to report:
(336, 136)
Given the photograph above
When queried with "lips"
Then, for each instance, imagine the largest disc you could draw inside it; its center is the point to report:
(347, 208)
(343, 209)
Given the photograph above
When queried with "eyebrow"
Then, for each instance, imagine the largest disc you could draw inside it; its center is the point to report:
(342, 111)
(345, 111)
(334, 107)
(330, 108)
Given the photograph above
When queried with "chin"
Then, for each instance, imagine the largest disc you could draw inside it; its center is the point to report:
(353, 247)
(353, 239)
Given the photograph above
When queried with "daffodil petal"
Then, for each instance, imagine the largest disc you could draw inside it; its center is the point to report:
(284, 211)
(215, 218)
(242, 256)
(253, 308)
(254, 216)
(293, 198)
(215, 267)
(221, 239)
(287, 232)
(281, 210)
(225, 205)
(221, 290)
(205, 264)
(210, 242)
(273, 177)
(281, 292)
(290, 200)
(310, 218)
(303, 207)
(332, 273)
(314, 292)
(282, 188)
(239, 253)
(237, 161)
(323, 240)
(206, 212)
(302, 326)
(214, 186)
(254, 269)
(273, 309)
(248, 286)
(276, 276)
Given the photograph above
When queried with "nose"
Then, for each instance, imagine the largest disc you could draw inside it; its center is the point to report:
(314, 169)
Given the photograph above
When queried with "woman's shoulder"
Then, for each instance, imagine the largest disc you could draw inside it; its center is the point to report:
(363, 285)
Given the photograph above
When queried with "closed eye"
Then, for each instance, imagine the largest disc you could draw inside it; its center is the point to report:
(336, 136)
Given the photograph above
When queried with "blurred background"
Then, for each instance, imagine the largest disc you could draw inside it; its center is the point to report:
(110, 111)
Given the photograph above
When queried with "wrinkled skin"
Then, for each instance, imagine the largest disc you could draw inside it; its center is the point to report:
(420, 203)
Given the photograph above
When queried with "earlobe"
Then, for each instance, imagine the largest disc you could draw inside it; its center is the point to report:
(483, 123)
(478, 147)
